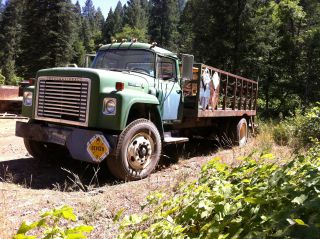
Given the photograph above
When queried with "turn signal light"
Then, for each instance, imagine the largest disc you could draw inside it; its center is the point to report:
(119, 86)
(31, 81)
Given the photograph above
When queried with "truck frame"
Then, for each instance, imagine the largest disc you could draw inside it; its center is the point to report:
(131, 102)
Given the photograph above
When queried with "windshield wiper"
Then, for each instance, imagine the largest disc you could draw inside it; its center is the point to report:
(118, 69)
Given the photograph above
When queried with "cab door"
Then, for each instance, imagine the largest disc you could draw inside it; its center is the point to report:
(169, 88)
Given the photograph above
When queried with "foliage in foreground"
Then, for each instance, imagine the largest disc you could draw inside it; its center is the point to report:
(255, 200)
(299, 130)
(54, 224)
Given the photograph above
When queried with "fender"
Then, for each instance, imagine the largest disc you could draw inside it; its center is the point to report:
(130, 98)
(126, 99)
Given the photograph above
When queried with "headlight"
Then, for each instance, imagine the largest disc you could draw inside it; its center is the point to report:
(109, 106)
(27, 98)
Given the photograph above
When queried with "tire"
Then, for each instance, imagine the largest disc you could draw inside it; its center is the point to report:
(242, 133)
(45, 151)
(137, 152)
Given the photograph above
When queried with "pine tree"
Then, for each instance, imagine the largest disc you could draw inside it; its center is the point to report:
(98, 20)
(136, 14)
(262, 61)
(164, 19)
(181, 4)
(78, 46)
(310, 85)
(108, 28)
(48, 35)
(92, 26)
(1, 10)
(87, 36)
(118, 18)
(186, 35)
(1, 51)
(10, 39)
(89, 11)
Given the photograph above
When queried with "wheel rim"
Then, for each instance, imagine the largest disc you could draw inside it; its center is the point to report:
(243, 134)
(139, 151)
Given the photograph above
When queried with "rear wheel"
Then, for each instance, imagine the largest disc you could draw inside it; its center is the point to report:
(242, 133)
(137, 152)
(234, 132)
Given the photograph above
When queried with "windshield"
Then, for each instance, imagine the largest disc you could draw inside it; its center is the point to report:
(126, 60)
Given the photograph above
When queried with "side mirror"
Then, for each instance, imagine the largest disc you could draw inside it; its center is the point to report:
(88, 60)
(187, 66)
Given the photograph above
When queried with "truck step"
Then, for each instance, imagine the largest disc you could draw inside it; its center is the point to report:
(175, 140)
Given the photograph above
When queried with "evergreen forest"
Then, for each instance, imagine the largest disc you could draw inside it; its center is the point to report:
(276, 42)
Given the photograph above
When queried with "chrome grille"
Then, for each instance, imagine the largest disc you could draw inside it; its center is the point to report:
(63, 99)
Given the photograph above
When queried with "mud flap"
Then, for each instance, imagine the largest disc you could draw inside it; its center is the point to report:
(90, 146)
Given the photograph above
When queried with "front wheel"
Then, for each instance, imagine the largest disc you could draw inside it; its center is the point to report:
(137, 152)
(45, 151)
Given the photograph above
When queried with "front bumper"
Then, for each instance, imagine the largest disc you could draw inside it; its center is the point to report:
(83, 144)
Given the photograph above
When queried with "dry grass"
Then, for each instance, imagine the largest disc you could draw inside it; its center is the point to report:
(6, 227)
(96, 202)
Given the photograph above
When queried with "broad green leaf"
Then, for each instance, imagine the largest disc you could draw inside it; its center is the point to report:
(238, 197)
(75, 236)
(170, 219)
(81, 229)
(251, 200)
(223, 236)
(23, 236)
(300, 200)
(300, 222)
(246, 180)
(267, 156)
(25, 227)
(118, 215)
(205, 214)
(67, 213)
(220, 166)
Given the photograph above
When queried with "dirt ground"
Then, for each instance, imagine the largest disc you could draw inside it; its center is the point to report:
(29, 186)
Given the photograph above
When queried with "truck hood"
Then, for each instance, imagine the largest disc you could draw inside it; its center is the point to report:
(104, 80)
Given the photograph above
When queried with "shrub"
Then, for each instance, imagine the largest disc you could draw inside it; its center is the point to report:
(299, 130)
(54, 224)
(308, 127)
(281, 134)
(254, 200)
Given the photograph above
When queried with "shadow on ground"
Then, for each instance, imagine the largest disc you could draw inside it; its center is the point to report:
(65, 175)
(72, 175)
(194, 148)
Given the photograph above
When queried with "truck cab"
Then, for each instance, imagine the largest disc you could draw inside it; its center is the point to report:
(124, 108)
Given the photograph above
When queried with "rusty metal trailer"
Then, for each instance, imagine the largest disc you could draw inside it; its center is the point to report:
(10, 102)
(218, 103)
(226, 94)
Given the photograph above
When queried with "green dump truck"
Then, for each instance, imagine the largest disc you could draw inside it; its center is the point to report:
(133, 100)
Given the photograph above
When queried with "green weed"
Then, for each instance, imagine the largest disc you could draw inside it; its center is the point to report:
(56, 223)
(254, 200)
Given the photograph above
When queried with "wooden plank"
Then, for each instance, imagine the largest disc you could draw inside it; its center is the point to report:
(235, 94)
(246, 97)
(225, 113)
(229, 74)
(251, 98)
(241, 91)
(255, 100)
(225, 94)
